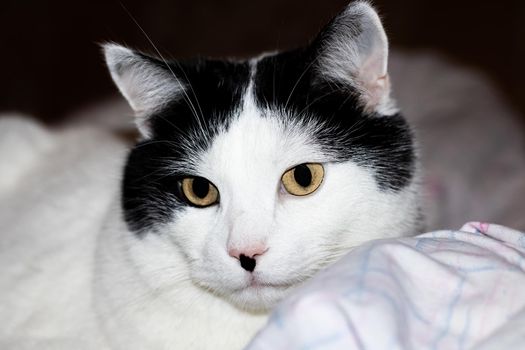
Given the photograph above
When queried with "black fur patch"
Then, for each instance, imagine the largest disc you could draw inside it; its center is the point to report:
(214, 91)
(283, 82)
(289, 82)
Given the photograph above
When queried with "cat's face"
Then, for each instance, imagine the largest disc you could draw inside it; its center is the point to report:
(259, 173)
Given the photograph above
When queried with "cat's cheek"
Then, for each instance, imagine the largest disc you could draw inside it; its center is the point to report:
(200, 235)
(309, 228)
(218, 270)
(191, 229)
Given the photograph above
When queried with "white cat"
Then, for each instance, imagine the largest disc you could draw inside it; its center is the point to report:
(250, 177)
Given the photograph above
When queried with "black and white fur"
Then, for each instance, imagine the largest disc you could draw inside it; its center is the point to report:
(163, 277)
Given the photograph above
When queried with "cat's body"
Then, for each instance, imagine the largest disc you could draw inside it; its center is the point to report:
(53, 204)
(160, 265)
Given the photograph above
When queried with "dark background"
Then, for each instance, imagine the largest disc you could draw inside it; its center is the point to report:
(51, 65)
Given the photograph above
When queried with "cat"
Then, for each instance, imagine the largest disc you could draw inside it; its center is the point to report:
(248, 178)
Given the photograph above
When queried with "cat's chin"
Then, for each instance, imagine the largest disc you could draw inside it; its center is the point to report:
(251, 292)
(258, 297)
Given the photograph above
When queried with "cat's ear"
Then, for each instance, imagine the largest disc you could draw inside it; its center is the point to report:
(353, 50)
(146, 82)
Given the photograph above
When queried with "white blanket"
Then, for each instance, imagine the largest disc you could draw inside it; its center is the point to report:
(440, 290)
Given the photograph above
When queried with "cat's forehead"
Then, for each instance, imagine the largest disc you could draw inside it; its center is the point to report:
(233, 111)
(285, 92)
(272, 102)
(258, 142)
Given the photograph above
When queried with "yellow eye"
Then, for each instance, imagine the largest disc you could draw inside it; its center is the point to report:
(199, 191)
(303, 179)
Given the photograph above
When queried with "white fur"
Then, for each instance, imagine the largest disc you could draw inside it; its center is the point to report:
(181, 287)
(26, 142)
(88, 281)
(49, 220)
(178, 285)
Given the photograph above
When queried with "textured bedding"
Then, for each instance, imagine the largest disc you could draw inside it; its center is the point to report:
(439, 290)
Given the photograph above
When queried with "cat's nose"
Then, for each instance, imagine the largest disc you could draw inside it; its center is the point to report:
(248, 256)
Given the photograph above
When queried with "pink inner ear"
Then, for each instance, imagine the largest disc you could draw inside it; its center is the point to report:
(374, 79)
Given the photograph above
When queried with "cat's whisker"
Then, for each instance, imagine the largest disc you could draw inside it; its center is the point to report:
(185, 95)
(299, 80)
(147, 297)
(314, 101)
(150, 175)
(191, 88)
(273, 79)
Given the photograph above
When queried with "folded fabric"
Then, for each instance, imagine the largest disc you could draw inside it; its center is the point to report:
(439, 290)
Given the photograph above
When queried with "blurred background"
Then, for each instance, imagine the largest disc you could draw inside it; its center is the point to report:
(51, 63)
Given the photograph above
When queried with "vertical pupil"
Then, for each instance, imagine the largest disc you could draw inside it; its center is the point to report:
(302, 175)
(200, 187)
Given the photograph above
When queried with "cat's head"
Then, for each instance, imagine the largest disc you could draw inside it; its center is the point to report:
(259, 173)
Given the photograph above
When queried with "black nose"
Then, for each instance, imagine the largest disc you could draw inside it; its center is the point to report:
(247, 263)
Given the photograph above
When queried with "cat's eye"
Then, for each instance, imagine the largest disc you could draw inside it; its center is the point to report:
(303, 179)
(199, 191)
